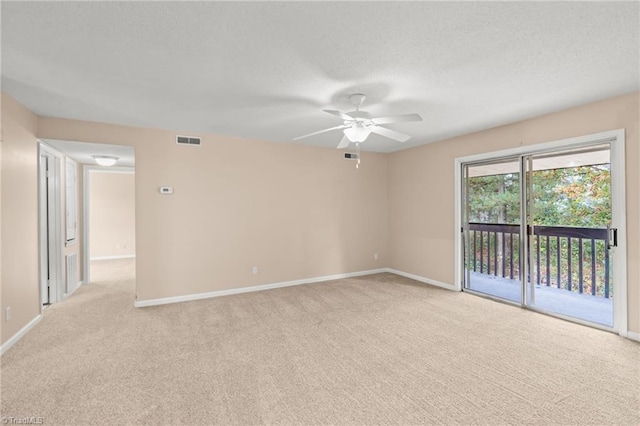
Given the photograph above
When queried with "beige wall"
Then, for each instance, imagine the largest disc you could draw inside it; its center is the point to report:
(111, 214)
(292, 210)
(19, 287)
(1, 148)
(421, 187)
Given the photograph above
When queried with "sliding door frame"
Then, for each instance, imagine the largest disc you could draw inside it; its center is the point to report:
(616, 139)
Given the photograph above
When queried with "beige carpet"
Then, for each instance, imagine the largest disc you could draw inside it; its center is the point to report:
(372, 350)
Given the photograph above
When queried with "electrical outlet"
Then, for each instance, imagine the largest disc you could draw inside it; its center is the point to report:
(254, 270)
(7, 313)
(375, 256)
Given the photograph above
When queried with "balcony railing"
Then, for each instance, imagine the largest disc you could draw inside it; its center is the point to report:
(571, 258)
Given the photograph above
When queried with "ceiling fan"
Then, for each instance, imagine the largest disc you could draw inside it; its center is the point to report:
(358, 125)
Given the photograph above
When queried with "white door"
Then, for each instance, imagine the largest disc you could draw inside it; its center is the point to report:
(50, 235)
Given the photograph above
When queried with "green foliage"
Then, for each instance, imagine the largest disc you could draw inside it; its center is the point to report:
(576, 196)
(494, 199)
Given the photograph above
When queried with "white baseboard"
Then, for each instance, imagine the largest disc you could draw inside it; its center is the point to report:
(633, 336)
(422, 279)
(13, 339)
(210, 294)
(220, 293)
(125, 256)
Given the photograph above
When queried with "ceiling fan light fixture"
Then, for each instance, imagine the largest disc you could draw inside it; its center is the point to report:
(105, 160)
(357, 133)
(358, 125)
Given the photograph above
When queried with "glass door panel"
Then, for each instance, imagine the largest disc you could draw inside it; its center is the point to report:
(491, 226)
(568, 212)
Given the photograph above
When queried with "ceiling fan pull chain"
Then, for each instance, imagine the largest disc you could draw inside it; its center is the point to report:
(358, 155)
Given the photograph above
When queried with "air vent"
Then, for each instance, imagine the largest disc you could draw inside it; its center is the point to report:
(187, 140)
(350, 156)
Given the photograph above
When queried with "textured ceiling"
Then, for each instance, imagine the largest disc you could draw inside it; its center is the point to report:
(265, 70)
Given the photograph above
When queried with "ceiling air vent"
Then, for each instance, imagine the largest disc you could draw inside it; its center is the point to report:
(350, 156)
(187, 140)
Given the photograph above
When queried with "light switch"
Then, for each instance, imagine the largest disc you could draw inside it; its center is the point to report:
(166, 190)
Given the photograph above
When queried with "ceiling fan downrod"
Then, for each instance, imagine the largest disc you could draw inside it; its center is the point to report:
(357, 100)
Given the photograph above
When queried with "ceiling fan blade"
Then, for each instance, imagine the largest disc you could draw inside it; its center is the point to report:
(344, 142)
(339, 114)
(388, 133)
(397, 119)
(321, 131)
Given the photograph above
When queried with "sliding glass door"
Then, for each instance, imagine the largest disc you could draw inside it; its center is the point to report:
(536, 232)
(492, 224)
(568, 212)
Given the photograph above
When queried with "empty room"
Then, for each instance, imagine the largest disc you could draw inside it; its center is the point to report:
(361, 213)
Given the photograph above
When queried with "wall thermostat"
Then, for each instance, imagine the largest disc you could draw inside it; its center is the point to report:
(166, 190)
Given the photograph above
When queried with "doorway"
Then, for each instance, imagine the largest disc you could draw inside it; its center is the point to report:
(110, 224)
(541, 228)
(86, 156)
